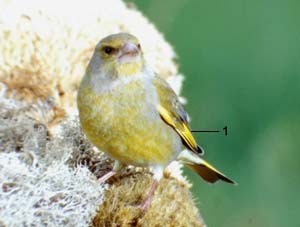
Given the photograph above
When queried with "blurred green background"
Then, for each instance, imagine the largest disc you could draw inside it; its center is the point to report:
(241, 61)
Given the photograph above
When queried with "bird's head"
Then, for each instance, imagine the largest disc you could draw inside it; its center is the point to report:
(119, 55)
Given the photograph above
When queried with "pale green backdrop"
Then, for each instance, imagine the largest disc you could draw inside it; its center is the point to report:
(241, 61)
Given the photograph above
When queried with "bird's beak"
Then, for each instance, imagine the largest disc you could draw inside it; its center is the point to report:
(129, 53)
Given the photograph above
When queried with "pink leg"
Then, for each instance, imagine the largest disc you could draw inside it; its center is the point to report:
(117, 166)
(147, 202)
(106, 176)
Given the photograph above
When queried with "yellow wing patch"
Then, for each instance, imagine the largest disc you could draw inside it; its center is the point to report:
(181, 128)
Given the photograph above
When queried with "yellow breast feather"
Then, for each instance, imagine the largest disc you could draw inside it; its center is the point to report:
(123, 124)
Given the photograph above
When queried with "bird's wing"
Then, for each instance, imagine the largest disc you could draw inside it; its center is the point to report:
(173, 114)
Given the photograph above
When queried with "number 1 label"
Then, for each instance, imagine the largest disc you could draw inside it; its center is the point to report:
(225, 130)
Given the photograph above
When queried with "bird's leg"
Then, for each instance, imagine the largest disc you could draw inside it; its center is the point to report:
(157, 175)
(106, 176)
(117, 166)
(147, 202)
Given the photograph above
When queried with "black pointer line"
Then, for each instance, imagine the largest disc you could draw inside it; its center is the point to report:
(205, 131)
(225, 129)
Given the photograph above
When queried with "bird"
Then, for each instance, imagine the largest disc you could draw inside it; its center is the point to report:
(133, 115)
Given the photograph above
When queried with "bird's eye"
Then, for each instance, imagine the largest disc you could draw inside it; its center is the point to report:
(108, 49)
(139, 46)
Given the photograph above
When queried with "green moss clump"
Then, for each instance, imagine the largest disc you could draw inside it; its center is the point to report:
(172, 205)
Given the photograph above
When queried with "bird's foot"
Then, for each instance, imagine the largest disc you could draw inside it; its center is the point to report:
(147, 202)
(106, 176)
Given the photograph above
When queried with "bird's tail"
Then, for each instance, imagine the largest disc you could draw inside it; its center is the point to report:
(202, 167)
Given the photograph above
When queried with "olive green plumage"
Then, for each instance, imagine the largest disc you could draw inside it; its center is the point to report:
(133, 115)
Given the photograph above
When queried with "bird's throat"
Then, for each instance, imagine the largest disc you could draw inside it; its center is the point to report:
(129, 69)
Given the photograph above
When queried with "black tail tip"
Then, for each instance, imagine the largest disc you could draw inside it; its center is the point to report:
(228, 180)
(200, 150)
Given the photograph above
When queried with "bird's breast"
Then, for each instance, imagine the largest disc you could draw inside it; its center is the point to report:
(124, 123)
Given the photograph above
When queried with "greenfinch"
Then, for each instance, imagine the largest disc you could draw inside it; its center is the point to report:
(134, 116)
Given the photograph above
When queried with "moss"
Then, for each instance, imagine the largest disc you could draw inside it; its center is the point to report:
(172, 205)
